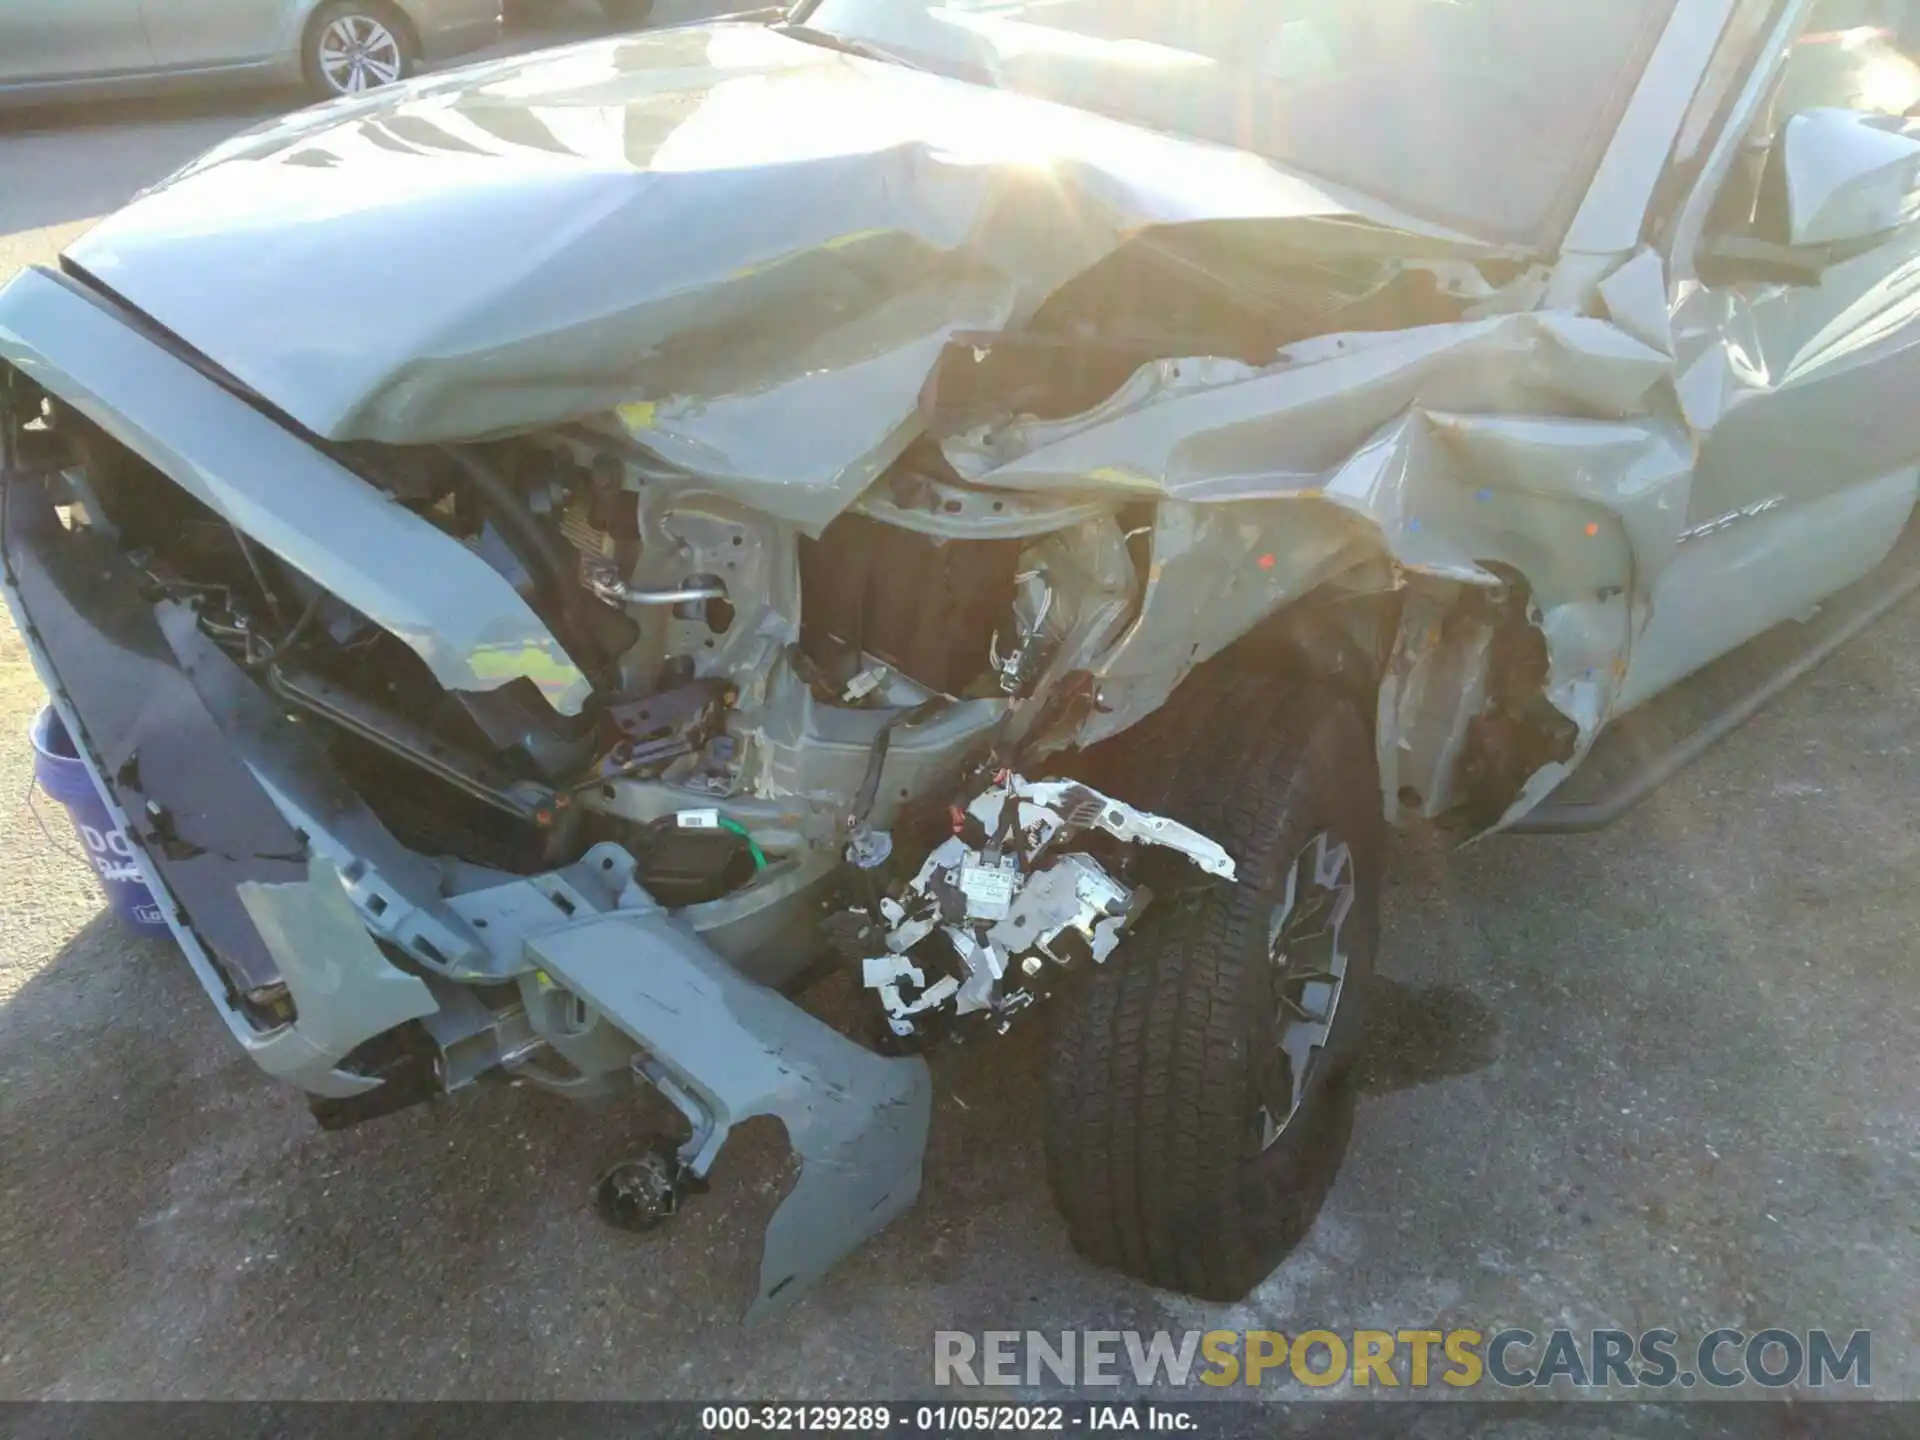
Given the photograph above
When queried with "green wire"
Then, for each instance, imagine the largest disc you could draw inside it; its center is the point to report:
(753, 846)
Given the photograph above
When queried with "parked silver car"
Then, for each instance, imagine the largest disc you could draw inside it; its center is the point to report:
(1006, 501)
(630, 13)
(78, 49)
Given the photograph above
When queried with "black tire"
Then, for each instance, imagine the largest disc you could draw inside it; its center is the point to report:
(627, 12)
(1154, 1086)
(366, 17)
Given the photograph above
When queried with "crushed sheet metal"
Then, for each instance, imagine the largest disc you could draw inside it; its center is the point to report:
(1539, 442)
(344, 990)
(857, 1121)
(911, 207)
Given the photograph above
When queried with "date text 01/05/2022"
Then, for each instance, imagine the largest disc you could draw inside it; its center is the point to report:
(945, 1419)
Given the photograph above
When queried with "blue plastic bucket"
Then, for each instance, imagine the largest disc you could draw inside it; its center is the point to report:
(58, 769)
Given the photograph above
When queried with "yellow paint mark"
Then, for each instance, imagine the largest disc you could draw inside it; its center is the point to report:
(841, 242)
(637, 416)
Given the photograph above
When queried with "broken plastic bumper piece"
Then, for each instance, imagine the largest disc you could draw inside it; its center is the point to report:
(726, 1049)
(1020, 901)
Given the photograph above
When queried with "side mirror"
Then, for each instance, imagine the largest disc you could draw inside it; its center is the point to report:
(1837, 183)
(1849, 178)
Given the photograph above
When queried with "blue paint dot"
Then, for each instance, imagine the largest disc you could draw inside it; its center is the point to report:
(1414, 526)
(1483, 495)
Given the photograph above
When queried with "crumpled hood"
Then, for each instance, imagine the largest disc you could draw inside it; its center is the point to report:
(753, 247)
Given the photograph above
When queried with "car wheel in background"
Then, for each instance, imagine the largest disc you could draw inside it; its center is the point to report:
(627, 12)
(353, 46)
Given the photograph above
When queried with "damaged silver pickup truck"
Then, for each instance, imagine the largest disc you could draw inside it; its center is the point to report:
(1009, 501)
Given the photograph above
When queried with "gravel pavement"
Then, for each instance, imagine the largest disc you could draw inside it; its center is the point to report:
(1661, 1076)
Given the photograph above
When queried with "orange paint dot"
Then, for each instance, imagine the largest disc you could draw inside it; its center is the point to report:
(1593, 530)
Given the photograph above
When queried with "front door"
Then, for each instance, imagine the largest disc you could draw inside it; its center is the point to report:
(1808, 463)
(71, 39)
(191, 33)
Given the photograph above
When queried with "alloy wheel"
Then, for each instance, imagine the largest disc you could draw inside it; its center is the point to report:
(358, 53)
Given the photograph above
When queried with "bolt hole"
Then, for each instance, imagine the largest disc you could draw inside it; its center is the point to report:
(1411, 798)
(739, 540)
(607, 792)
(607, 863)
(479, 924)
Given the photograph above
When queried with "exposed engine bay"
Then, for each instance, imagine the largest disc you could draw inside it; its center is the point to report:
(724, 747)
(763, 746)
(982, 539)
(841, 718)
(597, 649)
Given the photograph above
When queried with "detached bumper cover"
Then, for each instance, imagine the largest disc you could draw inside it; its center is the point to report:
(214, 848)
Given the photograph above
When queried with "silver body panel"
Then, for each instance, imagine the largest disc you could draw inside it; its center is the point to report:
(59, 50)
(747, 256)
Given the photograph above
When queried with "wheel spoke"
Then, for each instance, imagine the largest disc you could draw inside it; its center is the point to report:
(1311, 916)
(1309, 963)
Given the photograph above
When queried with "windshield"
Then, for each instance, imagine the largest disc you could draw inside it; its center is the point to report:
(1487, 115)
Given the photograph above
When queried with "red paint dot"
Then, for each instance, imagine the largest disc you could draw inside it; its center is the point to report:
(1266, 562)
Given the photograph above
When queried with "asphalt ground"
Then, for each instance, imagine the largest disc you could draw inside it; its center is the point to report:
(1662, 1076)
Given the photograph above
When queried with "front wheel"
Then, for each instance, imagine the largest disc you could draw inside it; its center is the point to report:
(1198, 1095)
(631, 13)
(354, 46)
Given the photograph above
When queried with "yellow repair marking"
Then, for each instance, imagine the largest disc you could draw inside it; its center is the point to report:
(840, 242)
(553, 675)
(638, 416)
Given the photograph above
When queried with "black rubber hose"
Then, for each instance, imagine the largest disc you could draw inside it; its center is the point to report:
(600, 634)
(509, 511)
